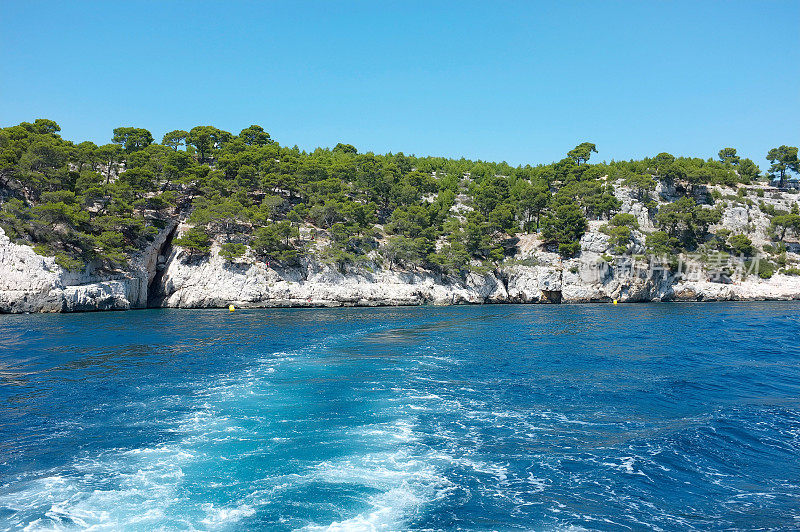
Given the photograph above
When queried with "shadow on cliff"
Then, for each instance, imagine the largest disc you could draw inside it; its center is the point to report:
(155, 288)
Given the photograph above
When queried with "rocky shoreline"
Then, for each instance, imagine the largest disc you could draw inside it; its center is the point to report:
(160, 277)
(167, 275)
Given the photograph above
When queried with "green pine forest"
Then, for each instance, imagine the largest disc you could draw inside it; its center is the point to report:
(97, 205)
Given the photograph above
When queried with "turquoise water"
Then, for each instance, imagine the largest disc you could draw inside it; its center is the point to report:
(474, 418)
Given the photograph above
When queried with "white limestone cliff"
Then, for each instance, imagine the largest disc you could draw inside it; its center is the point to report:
(170, 277)
(32, 283)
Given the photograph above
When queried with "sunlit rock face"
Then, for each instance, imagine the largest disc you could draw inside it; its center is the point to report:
(166, 275)
(32, 283)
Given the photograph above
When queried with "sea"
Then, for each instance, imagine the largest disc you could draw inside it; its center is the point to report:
(490, 417)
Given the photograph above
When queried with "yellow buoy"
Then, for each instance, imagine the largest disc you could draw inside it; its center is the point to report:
(615, 301)
(231, 308)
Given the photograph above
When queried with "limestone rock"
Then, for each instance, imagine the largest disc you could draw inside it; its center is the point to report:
(32, 283)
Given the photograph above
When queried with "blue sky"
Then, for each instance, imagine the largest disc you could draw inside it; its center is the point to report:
(517, 81)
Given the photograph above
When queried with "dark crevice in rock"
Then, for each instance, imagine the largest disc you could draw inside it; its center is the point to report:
(503, 277)
(155, 289)
(551, 296)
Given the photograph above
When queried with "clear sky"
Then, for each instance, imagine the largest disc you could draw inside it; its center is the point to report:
(517, 81)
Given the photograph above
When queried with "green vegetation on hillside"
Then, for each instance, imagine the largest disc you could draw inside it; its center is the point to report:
(85, 203)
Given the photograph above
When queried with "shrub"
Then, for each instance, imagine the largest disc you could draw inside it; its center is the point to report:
(660, 243)
(620, 237)
(565, 226)
(569, 249)
(231, 251)
(69, 263)
(272, 241)
(624, 219)
(765, 268)
(740, 245)
(196, 240)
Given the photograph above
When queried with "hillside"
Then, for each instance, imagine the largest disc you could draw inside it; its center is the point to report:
(207, 217)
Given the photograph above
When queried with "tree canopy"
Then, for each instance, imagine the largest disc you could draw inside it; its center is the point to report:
(85, 203)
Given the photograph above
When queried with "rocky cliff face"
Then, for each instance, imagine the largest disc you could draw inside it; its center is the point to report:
(163, 275)
(32, 283)
(215, 283)
(190, 283)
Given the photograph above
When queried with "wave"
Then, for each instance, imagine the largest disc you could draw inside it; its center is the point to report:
(354, 431)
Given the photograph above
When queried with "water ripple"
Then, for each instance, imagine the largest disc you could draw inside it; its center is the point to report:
(498, 417)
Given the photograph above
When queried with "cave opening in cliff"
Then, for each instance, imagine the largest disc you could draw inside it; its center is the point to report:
(155, 288)
(551, 296)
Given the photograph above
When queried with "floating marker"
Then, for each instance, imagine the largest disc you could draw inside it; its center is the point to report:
(231, 308)
(615, 302)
